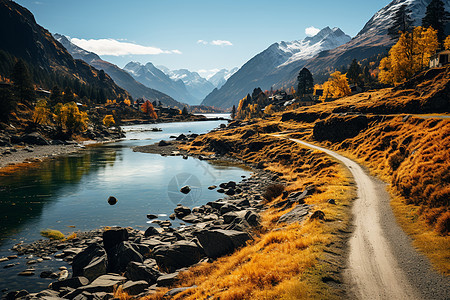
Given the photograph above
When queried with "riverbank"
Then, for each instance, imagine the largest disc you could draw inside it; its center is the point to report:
(151, 259)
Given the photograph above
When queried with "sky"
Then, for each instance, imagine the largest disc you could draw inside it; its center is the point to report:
(199, 35)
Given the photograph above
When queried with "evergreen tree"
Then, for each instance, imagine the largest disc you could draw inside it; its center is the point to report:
(22, 81)
(55, 95)
(354, 72)
(68, 95)
(7, 103)
(233, 112)
(436, 17)
(184, 112)
(402, 22)
(305, 82)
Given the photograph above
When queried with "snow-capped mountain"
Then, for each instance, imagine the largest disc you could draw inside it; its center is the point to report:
(270, 67)
(196, 85)
(154, 78)
(120, 77)
(219, 79)
(74, 50)
(373, 39)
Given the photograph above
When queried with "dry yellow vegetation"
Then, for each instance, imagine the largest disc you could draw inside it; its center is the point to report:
(287, 261)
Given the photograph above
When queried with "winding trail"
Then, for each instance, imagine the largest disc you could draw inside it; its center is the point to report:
(382, 264)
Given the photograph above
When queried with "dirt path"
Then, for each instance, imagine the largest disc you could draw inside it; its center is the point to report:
(382, 264)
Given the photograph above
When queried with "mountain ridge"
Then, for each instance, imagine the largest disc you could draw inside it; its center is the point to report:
(120, 77)
(270, 66)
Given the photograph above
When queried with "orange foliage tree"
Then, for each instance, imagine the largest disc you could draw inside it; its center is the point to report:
(410, 55)
(336, 87)
(147, 108)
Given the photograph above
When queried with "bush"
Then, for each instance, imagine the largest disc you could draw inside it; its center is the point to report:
(443, 223)
(52, 234)
(273, 191)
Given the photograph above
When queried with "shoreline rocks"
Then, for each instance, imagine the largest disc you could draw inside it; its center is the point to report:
(140, 261)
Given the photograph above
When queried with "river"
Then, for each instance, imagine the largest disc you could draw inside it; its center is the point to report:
(70, 193)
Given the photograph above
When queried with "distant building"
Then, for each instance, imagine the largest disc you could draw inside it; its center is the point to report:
(440, 59)
(43, 93)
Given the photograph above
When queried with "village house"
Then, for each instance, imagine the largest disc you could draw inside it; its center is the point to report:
(440, 59)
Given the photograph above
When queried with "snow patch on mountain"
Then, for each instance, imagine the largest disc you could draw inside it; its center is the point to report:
(305, 49)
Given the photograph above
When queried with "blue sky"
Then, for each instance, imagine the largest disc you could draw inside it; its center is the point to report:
(200, 35)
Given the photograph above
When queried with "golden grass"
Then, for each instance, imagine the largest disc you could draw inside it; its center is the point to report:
(52, 234)
(413, 157)
(284, 261)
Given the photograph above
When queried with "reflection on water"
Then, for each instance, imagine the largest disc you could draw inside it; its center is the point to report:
(72, 190)
(25, 193)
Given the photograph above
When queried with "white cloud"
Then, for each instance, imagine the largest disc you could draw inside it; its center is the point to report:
(312, 31)
(221, 43)
(215, 43)
(118, 48)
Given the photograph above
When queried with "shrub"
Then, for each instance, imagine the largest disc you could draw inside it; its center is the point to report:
(443, 223)
(52, 234)
(273, 191)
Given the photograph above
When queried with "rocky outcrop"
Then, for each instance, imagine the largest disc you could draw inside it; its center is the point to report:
(339, 128)
(103, 260)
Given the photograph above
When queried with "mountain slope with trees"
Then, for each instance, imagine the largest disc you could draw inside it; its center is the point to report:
(120, 77)
(47, 60)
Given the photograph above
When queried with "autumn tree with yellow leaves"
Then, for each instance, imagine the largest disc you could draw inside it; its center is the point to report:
(41, 113)
(409, 55)
(447, 43)
(336, 87)
(108, 121)
(69, 118)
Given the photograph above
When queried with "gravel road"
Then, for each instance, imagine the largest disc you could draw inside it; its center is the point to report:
(382, 263)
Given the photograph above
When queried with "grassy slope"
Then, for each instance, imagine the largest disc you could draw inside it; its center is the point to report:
(289, 261)
(294, 261)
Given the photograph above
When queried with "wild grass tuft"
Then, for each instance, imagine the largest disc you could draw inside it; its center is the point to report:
(52, 234)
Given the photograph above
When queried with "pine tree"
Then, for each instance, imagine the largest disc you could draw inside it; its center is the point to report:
(184, 112)
(233, 112)
(354, 72)
(436, 17)
(68, 95)
(55, 96)
(21, 78)
(305, 82)
(402, 22)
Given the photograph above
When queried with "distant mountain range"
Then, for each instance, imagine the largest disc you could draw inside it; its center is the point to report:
(120, 77)
(196, 85)
(50, 63)
(270, 67)
(183, 85)
(219, 79)
(330, 49)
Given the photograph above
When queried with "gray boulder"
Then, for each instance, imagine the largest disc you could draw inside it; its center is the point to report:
(121, 255)
(297, 214)
(178, 255)
(182, 211)
(34, 138)
(113, 237)
(105, 283)
(138, 271)
(98, 266)
(74, 282)
(151, 231)
(167, 279)
(85, 257)
(135, 287)
(220, 242)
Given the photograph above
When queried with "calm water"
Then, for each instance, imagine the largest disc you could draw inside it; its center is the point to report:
(73, 191)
